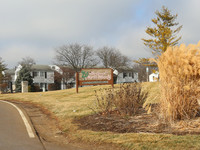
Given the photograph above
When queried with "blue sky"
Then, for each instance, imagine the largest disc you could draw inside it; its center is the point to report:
(35, 28)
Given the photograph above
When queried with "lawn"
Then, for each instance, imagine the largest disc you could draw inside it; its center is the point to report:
(67, 105)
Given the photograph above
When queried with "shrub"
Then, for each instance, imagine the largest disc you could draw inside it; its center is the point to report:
(179, 69)
(104, 99)
(35, 88)
(129, 98)
(126, 100)
(29, 88)
(51, 87)
(3, 87)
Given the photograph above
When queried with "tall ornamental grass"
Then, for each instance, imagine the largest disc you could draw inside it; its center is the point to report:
(179, 69)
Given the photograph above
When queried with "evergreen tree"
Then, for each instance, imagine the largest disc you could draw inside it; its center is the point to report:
(164, 34)
(2, 68)
(3, 77)
(24, 75)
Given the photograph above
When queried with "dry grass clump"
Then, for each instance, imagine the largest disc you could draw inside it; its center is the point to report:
(179, 69)
(104, 101)
(127, 100)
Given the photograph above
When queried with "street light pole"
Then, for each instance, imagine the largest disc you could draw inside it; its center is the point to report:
(147, 71)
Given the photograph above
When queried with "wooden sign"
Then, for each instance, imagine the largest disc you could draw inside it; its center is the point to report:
(95, 76)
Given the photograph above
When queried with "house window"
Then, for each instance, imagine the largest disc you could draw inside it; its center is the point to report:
(124, 74)
(42, 85)
(133, 75)
(42, 74)
(130, 74)
(35, 74)
(46, 86)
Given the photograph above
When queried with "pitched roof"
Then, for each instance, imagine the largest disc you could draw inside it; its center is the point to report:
(41, 68)
(10, 71)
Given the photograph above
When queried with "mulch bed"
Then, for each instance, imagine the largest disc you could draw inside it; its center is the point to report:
(140, 123)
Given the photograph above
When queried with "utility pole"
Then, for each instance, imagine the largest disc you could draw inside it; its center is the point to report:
(147, 71)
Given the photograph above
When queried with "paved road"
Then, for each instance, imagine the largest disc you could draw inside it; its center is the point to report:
(17, 133)
(13, 132)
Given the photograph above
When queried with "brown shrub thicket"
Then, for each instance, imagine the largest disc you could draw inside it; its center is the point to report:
(127, 100)
(51, 87)
(3, 87)
(179, 69)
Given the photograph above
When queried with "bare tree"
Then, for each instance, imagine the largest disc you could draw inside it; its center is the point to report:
(27, 61)
(76, 56)
(66, 77)
(141, 70)
(2, 65)
(111, 57)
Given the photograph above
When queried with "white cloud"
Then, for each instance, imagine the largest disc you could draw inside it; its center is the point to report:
(188, 14)
(131, 44)
(14, 53)
(62, 19)
(35, 27)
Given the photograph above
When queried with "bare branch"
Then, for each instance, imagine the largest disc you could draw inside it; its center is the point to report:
(76, 56)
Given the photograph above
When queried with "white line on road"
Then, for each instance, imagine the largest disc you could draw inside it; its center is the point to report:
(28, 127)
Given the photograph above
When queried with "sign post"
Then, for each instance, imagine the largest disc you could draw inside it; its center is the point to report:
(94, 76)
(76, 82)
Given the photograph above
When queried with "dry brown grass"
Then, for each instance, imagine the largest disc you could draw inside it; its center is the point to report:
(126, 100)
(67, 105)
(129, 98)
(179, 69)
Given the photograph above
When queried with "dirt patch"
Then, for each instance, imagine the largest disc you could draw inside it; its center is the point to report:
(123, 124)
(140, 123)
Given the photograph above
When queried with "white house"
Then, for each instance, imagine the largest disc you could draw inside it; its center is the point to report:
(43, 75)
(154, 77)
(127, 75)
